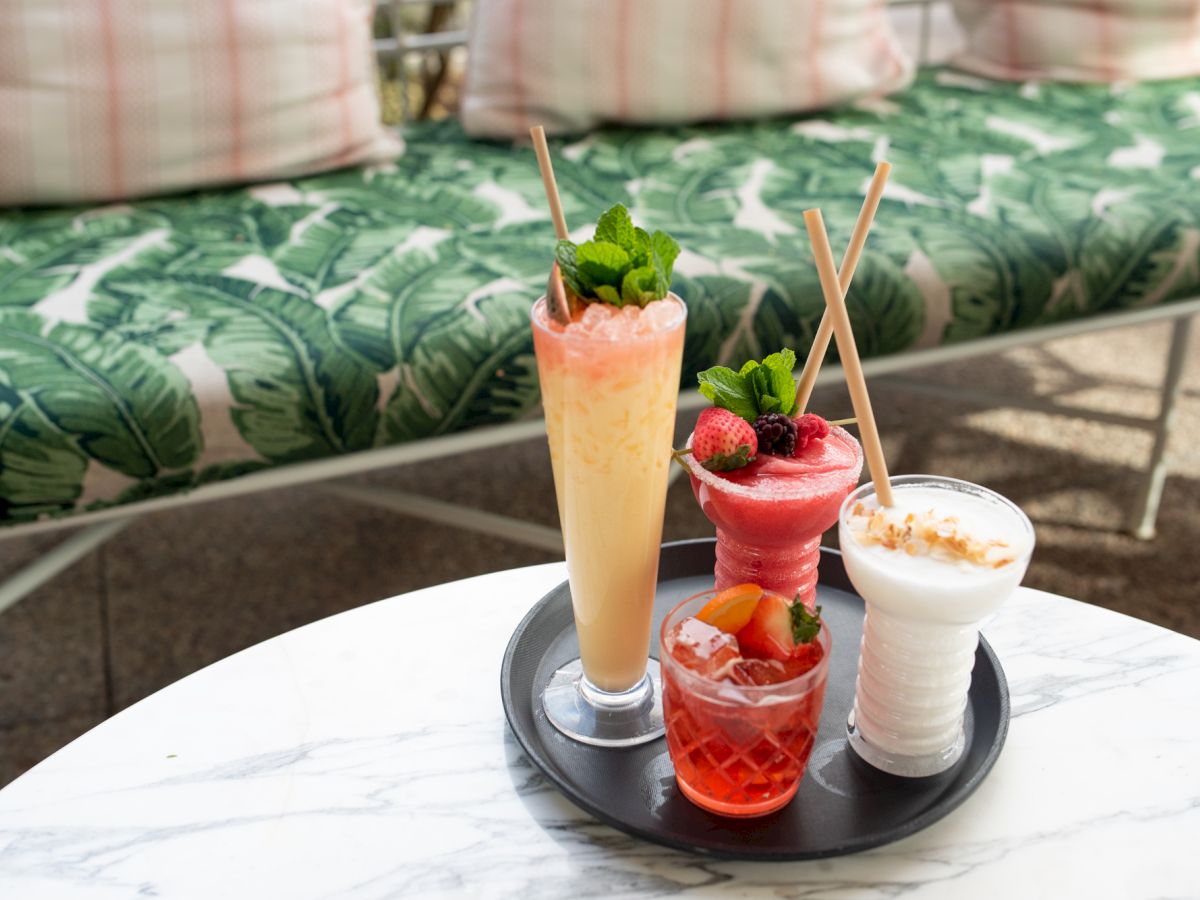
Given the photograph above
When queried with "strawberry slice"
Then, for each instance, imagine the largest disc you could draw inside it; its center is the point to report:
(768, 634)
(731, 609)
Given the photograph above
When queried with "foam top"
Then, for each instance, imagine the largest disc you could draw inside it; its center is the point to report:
(931, 530)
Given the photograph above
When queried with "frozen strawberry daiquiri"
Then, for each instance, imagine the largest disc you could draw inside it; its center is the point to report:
(930, 567)
(770, 483)
(610, 379)
(744, 674)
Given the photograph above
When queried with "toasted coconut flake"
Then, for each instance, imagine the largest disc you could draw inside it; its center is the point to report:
(927, 534)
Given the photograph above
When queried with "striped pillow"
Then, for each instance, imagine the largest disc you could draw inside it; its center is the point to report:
(571, 64)
(1081, 40)
(108, 99)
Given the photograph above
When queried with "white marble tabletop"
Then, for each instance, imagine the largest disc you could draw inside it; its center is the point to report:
(367, 756)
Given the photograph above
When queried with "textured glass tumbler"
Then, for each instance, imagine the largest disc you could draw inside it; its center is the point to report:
(739, 750)
(920, 635)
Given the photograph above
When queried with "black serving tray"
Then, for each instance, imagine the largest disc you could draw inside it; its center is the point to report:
(843, 805)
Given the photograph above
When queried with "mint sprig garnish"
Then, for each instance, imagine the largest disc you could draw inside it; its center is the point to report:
(805, 625)
(758, 388)
(621, 265)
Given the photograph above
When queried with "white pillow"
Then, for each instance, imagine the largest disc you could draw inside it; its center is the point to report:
(1081, 40)
(572, 64)
(107, 99)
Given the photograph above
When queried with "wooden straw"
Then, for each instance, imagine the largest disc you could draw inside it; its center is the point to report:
(538, 133)
(858, 239)
(558, 304)
(835, 305)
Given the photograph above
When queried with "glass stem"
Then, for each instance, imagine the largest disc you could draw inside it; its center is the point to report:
(790, 570)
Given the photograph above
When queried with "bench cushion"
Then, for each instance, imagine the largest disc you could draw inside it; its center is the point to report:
(147, 349)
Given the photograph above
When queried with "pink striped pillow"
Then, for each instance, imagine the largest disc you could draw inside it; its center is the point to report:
(571, 64)
(106, 99)
(1081, 40)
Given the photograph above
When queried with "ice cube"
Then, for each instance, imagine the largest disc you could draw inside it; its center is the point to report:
(703, 649)
(760, 672)
(657, 315)
(595, 316)
(776, 671)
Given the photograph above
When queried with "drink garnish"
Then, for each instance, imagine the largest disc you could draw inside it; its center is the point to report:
(927, 534)
(805, 625)
(757, 388)
(810, 427)
(762, 395)
(621, 265)
(776, 434)
(768, 634)
(750, 636)
(731, 609)
(558, 298)
(721, 441)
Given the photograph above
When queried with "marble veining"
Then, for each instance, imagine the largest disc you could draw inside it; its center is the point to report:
(346, 759)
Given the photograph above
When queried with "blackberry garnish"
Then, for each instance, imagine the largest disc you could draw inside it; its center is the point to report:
(776, 434)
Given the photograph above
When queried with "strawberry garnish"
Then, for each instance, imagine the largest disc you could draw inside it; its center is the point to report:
(781, 630)
(768, 634)
(722, 440)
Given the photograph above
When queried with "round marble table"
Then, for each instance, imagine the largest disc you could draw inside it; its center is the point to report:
(356, 757)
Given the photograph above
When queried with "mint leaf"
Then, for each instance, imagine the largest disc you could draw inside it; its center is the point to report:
(771, 382)
(601, 263)
(615, 227)
(608, 294)
(639, 285)
(663, 251)
(780, 383)
(777, 382)
(623, 264)
(720, 462)
(785, 359)
(805, 625)
(565, 253)
(729, 390)
(639, 250)
(764, 396)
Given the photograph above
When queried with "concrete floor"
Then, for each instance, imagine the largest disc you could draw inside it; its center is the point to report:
(181, 589)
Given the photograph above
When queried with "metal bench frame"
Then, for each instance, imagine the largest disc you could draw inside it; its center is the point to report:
(103, 525)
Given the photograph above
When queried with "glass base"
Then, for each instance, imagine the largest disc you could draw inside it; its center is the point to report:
(899, 764)
(583, 712)
(736, 810)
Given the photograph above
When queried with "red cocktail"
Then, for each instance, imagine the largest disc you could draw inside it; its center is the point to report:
(770, 514)
(743, 684)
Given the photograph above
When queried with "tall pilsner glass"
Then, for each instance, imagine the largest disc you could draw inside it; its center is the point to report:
(609, 388)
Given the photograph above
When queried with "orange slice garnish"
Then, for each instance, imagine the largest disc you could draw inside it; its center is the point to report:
(731, 609)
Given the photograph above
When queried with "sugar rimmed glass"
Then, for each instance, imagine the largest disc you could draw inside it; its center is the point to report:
(769, 527)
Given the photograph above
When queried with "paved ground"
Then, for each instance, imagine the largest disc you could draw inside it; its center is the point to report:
(181, 589)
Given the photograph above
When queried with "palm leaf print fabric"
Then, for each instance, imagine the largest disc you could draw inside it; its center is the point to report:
(152, 348)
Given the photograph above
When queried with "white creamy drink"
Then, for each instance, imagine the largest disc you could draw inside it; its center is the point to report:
(930, 568)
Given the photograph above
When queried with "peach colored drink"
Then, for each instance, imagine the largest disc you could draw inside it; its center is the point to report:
(609, 386)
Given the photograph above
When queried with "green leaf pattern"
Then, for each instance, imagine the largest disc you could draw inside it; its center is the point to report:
(154, 347)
